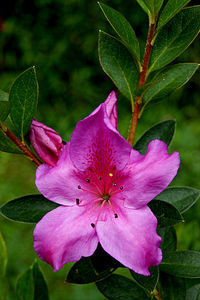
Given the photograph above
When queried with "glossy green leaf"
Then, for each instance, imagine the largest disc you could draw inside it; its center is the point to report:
(144, 7)
(181, 197)
(172, 287)
(3, 96)
(163, 131)
(175, 37)
(118, 64)
(167, 81)
(123, 28)
(166, 214)
(169, 239)
(25, 286)
(29, 209)
(6, 145)
(153, 5)
(193, 293)
(170, 10)
(184, 264)
(4, 110)
(31, 285)
(23, 100)
(91, 269)
(40, 286)
(117, 287)
(3, 256)
(147, 282)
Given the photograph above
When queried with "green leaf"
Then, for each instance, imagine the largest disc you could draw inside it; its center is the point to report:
(31, 285)
(91, 269)
(6, 145)
(117, 287)
(184, 264)
(169, 239)
(28, 209)
(147, 282)
(122, 28)
(3, 256)
(25, 286)
(163, 131)
(170, 10)
(172, 287)
(167, 81)
(153, 5)
(181, 197)
(166, 214)
(175, 37)
(40, 286)
(118, 64)
(144, 7)
(193, 293)
(3, 96)
(23, 100)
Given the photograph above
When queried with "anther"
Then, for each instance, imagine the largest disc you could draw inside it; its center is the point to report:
(111, 174)
(88, 180)
(92, 224)
(99, 178)
(79, 187)
(116, 216)
(77, 201)
(121, 187)
(114, 184)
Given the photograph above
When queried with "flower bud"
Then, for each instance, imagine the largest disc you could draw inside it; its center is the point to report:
(46, 142)
(111, 108)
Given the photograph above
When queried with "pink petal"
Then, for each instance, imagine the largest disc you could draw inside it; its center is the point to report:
(111, 108)
(131, 239)
(150, 175)
(96, 140)
(65, 235)
(60, 183)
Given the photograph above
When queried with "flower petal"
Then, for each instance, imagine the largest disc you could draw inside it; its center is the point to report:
(95, 141)
(111, 108)
(149, 175)
(64, 235)
(60, 183)
(131, 239)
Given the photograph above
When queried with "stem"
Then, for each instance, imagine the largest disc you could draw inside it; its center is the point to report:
(142, 80)
(157, 295)
(19, 144)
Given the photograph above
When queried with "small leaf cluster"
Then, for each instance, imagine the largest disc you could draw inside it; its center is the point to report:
(175, 28)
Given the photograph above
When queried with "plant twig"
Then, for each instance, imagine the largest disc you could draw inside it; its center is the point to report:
(20, 145)
(142, 80)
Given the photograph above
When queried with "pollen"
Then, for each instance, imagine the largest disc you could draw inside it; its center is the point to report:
(111, 174)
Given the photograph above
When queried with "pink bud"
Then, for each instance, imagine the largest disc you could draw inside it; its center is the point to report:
(46, 142)
(111, 108)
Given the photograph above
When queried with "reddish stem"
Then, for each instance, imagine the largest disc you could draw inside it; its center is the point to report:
(21, 146)
(142, 80)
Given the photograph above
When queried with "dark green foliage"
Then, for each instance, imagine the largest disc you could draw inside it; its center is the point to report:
(147, 282)
(172, 287)
(193, 293)
(28, 209)
(169, 239)
(3, 256)
(163, 131)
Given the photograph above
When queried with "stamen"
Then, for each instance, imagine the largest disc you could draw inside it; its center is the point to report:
(114, 184)
(77, 201)
(88, 180)
(99, 178)
(111, 174)
(93, 225)
(87, 203)
(102, 205)
(88, 191)
(121, 187)
(115, 215)
(79, 187)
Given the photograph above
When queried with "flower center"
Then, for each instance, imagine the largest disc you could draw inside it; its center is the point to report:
(106, 197)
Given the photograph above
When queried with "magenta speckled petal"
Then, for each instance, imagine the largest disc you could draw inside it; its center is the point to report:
(64, 235)
(111, 108)
(132, 239)
(94, 138)
(150, 175)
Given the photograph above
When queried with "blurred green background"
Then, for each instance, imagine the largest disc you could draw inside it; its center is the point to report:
(60, 38)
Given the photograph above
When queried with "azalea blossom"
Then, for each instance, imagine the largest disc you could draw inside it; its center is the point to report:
(103, 187)
(46, 142)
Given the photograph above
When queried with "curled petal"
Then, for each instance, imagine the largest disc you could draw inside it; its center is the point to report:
(132, 239)
(150, 175)
(95, 142)
(64, 235)
(111, 108)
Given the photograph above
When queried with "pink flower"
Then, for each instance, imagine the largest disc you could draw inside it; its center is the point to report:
(46, 142)
(103, 187)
